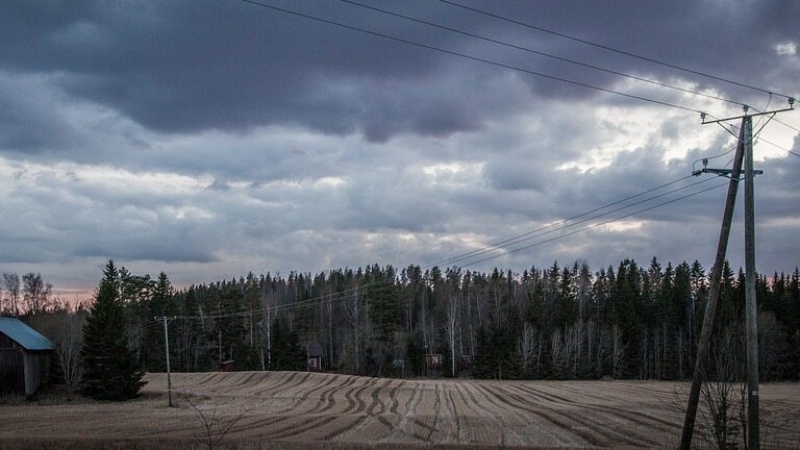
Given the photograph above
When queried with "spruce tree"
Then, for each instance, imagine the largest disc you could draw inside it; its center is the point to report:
(111, 370)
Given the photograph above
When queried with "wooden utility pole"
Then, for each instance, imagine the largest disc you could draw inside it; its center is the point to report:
(751, 311)
(166, 353)
(711, 307)
(744, 151)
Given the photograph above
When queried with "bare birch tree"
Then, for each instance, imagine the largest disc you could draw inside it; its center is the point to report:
(617, 352)
(530, 347)
(64, 328)
(11, 282)
(36, 293)
(451, 325)
(68, 340)
(353, 315)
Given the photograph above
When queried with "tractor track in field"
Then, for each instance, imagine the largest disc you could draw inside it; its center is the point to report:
(319, 408)
(514, 411)
(639, 417)
(400, 429)
(600, 432)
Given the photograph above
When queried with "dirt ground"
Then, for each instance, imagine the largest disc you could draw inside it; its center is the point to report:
(305, 410)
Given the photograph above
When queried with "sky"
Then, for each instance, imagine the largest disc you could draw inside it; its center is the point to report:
(208, 139)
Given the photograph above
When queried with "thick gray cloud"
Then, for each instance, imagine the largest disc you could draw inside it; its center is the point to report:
(208, 139)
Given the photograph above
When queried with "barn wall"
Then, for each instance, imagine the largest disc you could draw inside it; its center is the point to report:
(12, 370)
(36, 367)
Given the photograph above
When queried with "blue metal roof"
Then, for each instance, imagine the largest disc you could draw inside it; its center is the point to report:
(24, 335)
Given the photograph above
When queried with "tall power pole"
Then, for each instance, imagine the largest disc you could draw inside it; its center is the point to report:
(711, 307)
(751, 311)
(744, 150)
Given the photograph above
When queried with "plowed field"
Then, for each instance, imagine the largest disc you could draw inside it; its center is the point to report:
(292, 409)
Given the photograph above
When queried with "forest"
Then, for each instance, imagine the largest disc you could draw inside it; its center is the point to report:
(628, 322)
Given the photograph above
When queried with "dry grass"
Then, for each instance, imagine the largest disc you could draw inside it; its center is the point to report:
(292, 410)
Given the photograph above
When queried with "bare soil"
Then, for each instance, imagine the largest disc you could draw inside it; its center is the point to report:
(287, 410)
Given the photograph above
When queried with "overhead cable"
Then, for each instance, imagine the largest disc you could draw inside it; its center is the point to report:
(548, 55)
(611, 49)
(474, 58)
(564, 223)
(595, 225)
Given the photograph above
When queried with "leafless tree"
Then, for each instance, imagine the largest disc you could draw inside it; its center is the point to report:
(558, 353)
(68, 340)
(213, 428)
(723, 421)
(11, 282)
(530, 346)
(353, 316)
(451, 326)
(618, 351)
(36, 293)
(573, 338)
(64, 328)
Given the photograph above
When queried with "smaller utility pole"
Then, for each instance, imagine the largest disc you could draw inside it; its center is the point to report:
(166, 353)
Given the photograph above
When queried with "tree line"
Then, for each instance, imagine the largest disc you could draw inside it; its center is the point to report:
(557, 322)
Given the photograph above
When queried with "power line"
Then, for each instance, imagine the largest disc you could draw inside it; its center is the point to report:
(563, 224)
(595, 225)
(761, 139)
(787, 125)
(540, 53)
(560, 228)
(735, 129)
(611, 49)
(380, 286)
(474, 58)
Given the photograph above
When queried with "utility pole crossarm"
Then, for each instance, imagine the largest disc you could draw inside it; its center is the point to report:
(728, 119)
(722, 172)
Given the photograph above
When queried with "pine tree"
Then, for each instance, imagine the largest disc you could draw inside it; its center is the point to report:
(111, 370)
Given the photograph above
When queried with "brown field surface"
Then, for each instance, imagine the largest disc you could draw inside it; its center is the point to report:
(283, 410)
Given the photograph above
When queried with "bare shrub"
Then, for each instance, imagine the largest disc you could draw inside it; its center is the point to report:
(724, 395)
(213, 428)
(722, 413)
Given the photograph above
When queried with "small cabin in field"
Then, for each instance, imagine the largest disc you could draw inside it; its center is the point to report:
(434, 360)
(24, 357)
(314, 357)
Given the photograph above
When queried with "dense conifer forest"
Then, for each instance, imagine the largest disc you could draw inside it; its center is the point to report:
(559, 322)
(554, 323)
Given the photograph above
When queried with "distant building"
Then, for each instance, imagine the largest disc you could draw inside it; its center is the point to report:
(314, 357)
(434, 360)
(24, 357)
(226, 366)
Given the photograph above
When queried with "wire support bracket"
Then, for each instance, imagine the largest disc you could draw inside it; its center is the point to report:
(723, 173)
(746, 108)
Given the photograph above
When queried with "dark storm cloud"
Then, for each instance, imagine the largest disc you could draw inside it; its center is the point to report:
(220, 137)
(187, 66)
(28, 120)
(711, 37)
